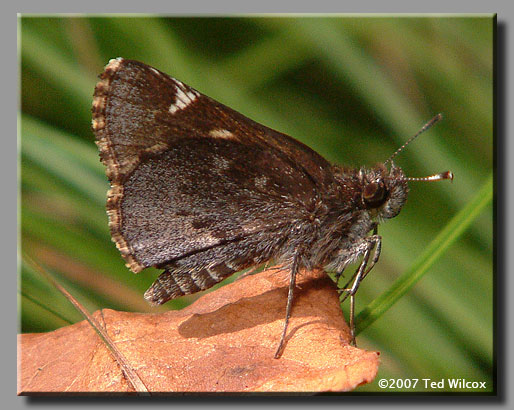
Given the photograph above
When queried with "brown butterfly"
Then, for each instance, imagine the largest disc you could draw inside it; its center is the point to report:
(202, 192)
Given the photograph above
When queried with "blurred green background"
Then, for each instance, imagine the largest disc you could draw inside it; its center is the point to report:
(352, 88)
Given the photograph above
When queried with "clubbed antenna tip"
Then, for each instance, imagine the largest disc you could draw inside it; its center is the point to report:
(435, 177)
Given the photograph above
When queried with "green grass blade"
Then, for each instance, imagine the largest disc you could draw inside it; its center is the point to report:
(449, 235)
(68, 159)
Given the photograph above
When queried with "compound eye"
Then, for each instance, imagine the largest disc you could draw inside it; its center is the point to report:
(374, 194)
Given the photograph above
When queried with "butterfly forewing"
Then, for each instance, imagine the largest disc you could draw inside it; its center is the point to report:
(190, 175)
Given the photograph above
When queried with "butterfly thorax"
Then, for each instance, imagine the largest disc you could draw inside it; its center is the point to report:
(357, 201)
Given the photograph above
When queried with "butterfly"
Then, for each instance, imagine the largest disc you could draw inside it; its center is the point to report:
(202, 192)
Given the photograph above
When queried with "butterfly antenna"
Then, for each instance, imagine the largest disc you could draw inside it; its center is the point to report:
(425, 127)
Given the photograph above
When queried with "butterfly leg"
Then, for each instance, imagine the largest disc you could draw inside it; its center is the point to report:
(367, 244)
(292, 283)
(372, 242)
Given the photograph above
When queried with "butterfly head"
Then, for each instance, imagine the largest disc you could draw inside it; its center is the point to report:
(384, 191)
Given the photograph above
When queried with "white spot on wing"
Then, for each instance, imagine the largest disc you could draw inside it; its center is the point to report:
(221, 133)
(184, 97)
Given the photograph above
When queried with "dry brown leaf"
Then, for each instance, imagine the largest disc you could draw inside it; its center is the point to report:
(224, 342)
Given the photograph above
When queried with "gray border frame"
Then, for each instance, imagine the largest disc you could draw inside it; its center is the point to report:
(504, 191)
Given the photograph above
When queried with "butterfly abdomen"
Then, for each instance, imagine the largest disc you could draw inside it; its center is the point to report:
(175, 282)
